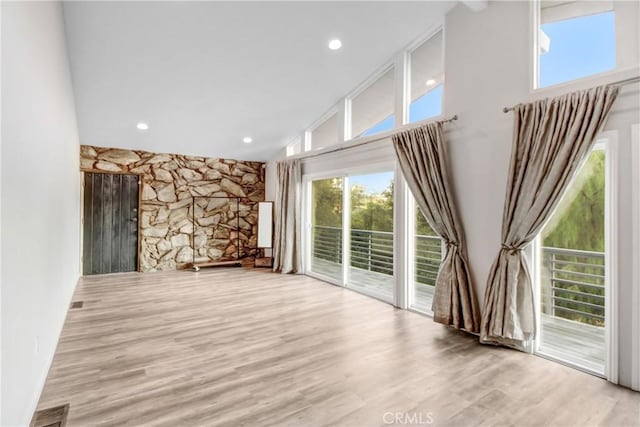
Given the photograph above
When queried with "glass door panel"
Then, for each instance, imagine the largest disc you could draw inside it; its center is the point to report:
(371, 234)
(427, 259)
(326, 228)
(572, 282)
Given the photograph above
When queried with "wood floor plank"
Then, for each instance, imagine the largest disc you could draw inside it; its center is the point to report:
(247, 347)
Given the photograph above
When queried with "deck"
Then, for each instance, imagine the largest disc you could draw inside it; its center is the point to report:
(578, 343)
(375, 284)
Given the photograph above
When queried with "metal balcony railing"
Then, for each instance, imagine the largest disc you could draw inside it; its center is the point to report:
(373, 251)
(572, 285)
(572, 280)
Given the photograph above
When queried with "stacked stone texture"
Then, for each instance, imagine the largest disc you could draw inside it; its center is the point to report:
(169, 183)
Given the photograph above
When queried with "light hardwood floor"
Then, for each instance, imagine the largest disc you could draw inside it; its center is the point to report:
(243, 347)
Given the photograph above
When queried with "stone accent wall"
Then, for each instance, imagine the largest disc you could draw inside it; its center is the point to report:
(169, 183)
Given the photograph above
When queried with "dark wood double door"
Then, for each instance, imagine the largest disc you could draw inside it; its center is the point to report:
(110, 223)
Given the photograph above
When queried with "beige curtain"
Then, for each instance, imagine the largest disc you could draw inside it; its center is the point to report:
(423, 161)
(287, 250)
(551, 139)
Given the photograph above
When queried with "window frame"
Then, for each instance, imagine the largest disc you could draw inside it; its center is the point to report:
(590, 80)
(411, 206)
(635, 213)
(407, 89)
(366, 84)
(290, 148)
(308, 133)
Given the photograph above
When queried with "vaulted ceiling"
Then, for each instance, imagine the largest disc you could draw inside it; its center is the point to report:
(203, 75)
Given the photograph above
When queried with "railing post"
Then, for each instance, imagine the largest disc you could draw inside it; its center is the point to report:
(369, 251)
(339, 245)
(552, 282)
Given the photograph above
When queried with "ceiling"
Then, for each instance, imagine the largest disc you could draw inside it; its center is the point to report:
(204, 75)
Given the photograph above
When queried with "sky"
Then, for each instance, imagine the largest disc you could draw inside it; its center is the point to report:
(579, 47)
(372, 183)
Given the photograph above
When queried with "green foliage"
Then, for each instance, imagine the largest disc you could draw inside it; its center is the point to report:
(428, 251)
(327, 202)
(370, 211)
(578, 222)
(422, 226)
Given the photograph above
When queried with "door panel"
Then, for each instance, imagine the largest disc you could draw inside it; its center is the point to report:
(326, 228)
(110, 223)
(573, 281)
(427, 257)
(371, 235)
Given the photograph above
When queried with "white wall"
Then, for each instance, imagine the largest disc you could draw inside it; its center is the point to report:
(40, 199)
(270, 181)
(496, 40)
(0, 222)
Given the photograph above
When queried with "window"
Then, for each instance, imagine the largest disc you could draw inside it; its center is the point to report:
(294, 147)
(326, 134)
(427, 79)
(372, 109)
(576, 39)
(386, 124)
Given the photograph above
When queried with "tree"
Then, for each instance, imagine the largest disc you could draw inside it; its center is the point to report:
(422, 226)
(372, 211)
(327, 202)
(578, 222)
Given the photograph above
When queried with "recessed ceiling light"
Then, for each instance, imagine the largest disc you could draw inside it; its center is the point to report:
(247, 140)
(142, 126)
(431, 82)
(335, 44)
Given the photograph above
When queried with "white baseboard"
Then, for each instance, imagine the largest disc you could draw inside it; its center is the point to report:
(45, 373)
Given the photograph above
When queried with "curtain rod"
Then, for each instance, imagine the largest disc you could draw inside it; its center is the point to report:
(368, 141)
(618, 83)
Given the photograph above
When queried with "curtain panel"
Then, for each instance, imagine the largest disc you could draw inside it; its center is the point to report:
(552, 137)
(423, 160)
(287, 247)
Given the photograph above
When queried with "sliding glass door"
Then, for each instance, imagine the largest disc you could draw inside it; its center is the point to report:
(573, 279)
(326, 232)
(350, 238)
(371, 235)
